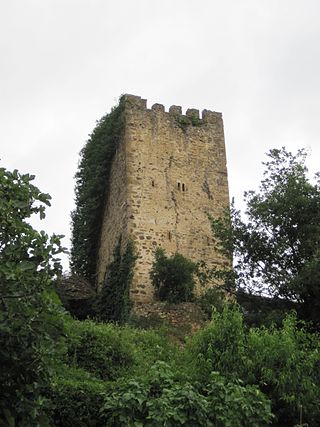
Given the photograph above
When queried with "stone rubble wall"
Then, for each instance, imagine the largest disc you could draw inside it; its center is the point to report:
(187, 313)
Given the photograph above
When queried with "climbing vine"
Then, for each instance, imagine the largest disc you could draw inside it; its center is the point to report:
(91, 191)
(114, 302)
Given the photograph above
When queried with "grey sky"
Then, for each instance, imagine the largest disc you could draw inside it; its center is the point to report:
(64, 64)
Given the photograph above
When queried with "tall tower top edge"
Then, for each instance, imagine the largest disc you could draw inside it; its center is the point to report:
(137, 103)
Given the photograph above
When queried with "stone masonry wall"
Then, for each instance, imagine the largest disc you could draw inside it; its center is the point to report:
(169, 174)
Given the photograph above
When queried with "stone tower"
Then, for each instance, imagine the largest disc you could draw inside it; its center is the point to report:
(168, 174)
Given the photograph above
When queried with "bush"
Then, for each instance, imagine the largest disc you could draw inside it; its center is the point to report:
(98, 358)
(212, 299)
(233, 404)
(283, 363)
(76, 401)
(99, 348)
(149, 347)
(160, 400)
(173, 277)
(220, 346)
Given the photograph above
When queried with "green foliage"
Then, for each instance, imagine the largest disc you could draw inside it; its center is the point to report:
(231, 404)
(99, 349)
(277, 249)
(158, 384)
(30, 322)
(159, 400)
(185, 121)
(220, 346)
(152, 321)
(97, 355)
(260, 310)
(114, 302)
(149, 382)
(92, 186)
(173, 277)
(148, 348)
(212, 299)
(283, 363)
(76, 401)
(108, 351)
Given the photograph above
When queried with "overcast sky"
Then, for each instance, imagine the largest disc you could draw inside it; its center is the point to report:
(64, 64)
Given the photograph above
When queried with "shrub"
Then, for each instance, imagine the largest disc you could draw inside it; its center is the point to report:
(76, 401)
(160, 400)
(173, 277)
(212, 299)
(220, 346)
(99, 349)
(233, 404)
(149, 347)
(283, 362)
(152, 321)
(155, 400)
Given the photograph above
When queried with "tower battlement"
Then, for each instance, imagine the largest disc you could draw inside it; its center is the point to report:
(207, 116)
(168, 174)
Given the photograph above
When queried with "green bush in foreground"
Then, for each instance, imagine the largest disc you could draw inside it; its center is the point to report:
(76, 399)
(283, 363)
(99, 348)
(160, 401)
(109, 351)
(30, 321)
(227, 374)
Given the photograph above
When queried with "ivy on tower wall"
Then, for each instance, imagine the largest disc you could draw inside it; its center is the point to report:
(91, 192)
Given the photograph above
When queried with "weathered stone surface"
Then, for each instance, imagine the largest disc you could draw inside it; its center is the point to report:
(77, 295)
(175, 314)
(73, 287)
(165, 179)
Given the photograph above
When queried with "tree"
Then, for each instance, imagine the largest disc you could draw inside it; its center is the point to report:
(277, 248)
(30, 321)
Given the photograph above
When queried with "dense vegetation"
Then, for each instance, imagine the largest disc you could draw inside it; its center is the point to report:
(58, 371)
(173, 277)
(277, 248)
(30, 321)
(113, 302)
(91, 191)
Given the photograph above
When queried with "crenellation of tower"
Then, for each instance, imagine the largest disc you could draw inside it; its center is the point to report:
(169, 173)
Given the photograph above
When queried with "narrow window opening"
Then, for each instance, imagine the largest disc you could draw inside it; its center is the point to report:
(152, 183)
(183, 187)
(169, 235)
(179, 186)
